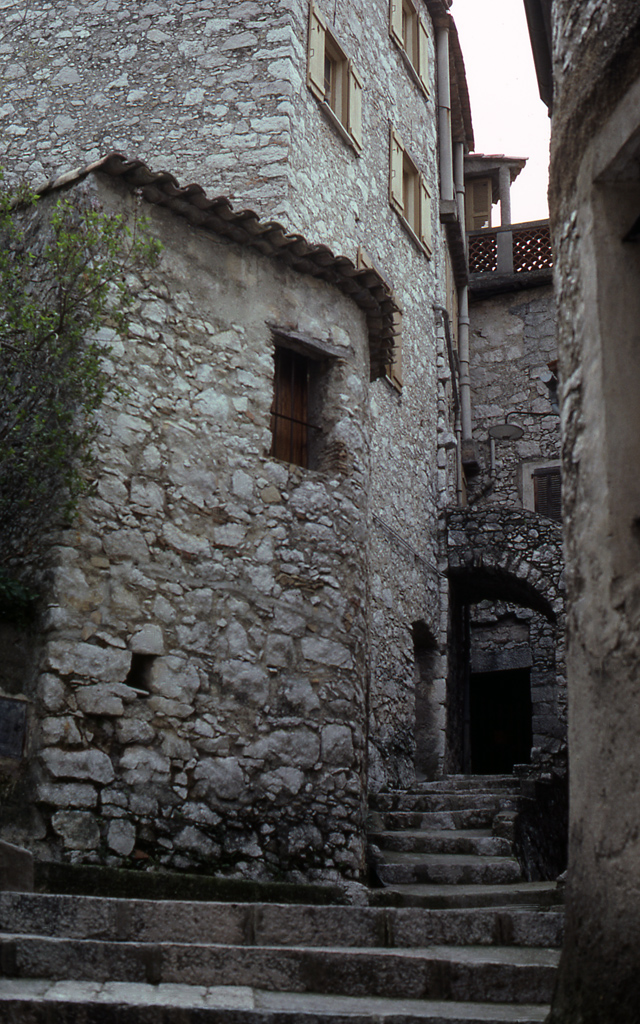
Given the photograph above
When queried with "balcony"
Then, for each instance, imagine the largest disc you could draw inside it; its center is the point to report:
(510, 257)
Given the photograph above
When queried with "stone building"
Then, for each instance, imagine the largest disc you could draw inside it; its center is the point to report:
(252, 624)
(588, 61)
(358, 153)
(505, 557)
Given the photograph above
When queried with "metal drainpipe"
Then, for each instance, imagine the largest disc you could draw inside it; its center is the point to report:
(444, 114)
(463, 355)
(458, 179)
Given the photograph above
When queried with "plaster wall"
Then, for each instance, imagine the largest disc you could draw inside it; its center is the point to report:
(594, 198)
(238, 583)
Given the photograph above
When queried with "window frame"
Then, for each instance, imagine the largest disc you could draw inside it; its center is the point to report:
(403, 15)
(341, 98)
(406, 181)
(392, 370)
(292, 393)
(538, 467)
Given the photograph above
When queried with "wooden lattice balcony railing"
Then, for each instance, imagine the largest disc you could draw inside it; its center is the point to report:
(530, 248)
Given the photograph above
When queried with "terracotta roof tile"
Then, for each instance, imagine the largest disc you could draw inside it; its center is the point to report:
(366, 287)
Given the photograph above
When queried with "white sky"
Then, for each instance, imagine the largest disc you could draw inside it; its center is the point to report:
(508, 115)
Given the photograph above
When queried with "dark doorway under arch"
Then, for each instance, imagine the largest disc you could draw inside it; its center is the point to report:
(500, 720)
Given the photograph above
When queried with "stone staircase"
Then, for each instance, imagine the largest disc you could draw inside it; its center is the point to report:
(446, 847)
(432, 947)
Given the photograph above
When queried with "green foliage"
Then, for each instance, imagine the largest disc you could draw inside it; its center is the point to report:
(61, 278)
(16, 600)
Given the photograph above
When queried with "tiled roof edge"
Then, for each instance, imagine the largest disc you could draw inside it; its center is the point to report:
(365, 286)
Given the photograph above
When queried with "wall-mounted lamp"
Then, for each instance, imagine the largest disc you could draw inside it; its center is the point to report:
(506, 431)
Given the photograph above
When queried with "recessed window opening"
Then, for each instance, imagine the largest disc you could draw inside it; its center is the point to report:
(290, 421)
(547, 492)
(410, 193)
(139, 675)
(335, 65)
(410, 32)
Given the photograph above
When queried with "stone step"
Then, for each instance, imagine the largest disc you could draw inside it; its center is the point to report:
(413, 821)
(447, 869)
(486, 783)
(521, 894)
(269, 924)
(42, 1002)
(498, 974)
(477, 841)
(442, 801)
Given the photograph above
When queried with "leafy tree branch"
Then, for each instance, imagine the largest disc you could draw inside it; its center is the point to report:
(62, 277)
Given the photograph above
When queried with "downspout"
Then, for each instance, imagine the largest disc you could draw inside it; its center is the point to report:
(463, 355)
(457, 423)
(463, 305)
(444, 113)
(458, 180)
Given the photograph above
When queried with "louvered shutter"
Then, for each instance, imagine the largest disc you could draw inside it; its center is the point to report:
(395, 177)
(547, 492)
(354, 116)
(479, 195)
(395, 21)
(423, 55)
(425, 215)
(315, 66)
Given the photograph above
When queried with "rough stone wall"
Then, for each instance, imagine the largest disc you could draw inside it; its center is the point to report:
(232, 584)
(505, 635)
(216, 92)
(594, 194)
(512, 340)
(202, 89)
(512, 559)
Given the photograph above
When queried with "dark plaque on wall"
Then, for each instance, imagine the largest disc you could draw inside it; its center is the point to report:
(13, 723)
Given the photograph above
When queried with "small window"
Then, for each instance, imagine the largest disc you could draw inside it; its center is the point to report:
(393, 370)
(409, 195)
(334, 81)
(547, 492)
(479, 195)
(408, 30)
(289, 412)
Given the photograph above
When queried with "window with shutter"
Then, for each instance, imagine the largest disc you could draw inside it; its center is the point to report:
(409, 194)
(334, 80)
(409, 31)
(393, 370)
(479, 196)
(425, 215)
(547, 492)
(289, 411)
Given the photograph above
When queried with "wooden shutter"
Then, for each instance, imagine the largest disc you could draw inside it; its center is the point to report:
(479, 195)
(393, 370)
(289, 411)
(425, 215)
(547, 492)
(395, 21)
(395, 172)
(423, 55)
(315, 66)
(354, 113)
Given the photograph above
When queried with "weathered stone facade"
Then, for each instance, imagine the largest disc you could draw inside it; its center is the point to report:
(202, 693)
(594, 207)
(217, 94)
(513, 341)
(506, 568)
(237, 648)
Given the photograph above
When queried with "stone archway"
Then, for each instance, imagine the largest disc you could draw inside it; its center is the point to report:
(505, 694)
